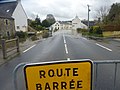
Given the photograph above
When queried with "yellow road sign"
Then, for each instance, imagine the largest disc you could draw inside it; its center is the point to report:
(72, 75)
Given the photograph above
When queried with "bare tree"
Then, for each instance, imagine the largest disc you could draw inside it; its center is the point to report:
(102, 12)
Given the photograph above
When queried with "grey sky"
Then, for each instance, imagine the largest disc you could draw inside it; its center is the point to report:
(63, 9)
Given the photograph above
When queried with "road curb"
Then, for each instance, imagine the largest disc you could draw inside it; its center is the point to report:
(117, 40)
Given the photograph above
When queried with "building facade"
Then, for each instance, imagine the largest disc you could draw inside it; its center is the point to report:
(7, 26)
(61, 25)
(16, 11)
(21, 20)
(76, 23)
(68, 25)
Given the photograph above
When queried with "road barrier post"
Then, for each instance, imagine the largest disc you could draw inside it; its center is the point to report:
(115, 75)
(15, 74)
(96, 72)
(4, 49)
(17, 45)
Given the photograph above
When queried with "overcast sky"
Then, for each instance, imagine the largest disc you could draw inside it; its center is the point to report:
(63, 9)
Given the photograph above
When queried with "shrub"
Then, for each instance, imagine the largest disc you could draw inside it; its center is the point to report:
(33, 38)
(83, 31)
(21, 34)
(79, 30)
(45, 34)
(96, 31)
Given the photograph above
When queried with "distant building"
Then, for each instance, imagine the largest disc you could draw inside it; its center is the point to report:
(62, 25)
(91, 23)
(68, 25)
(7, 25)
(15, 10)
(76, 23)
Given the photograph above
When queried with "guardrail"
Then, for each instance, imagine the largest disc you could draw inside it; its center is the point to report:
(7, 50)
(108, 62)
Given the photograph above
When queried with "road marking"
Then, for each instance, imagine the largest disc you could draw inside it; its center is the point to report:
(29, 48)
(64, 39)
(68, 59)
(66, 50)
(104, 47)
(65, 44)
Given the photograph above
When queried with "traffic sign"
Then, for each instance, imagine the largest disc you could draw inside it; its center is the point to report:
(72, 75)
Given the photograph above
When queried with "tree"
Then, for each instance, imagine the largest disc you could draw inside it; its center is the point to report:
(33, 24)
(37, 20)
(36, 24)
(45, 23)
(50, 18)
(114, 14)
(102, 13)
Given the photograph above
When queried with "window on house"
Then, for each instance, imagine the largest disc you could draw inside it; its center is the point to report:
(18, 27)
(8, 34)
(24, 26)
(6, 22)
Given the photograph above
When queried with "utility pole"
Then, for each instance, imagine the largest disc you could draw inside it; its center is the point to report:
(88, 17)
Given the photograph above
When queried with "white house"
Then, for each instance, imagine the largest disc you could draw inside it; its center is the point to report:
(16, 11)
(68, 25)
(61, 25)
(56, 26)
(76, 23)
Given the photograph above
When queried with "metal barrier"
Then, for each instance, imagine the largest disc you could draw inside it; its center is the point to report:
(21, 65)
(96, 66)
(95, 73)
(5, 48)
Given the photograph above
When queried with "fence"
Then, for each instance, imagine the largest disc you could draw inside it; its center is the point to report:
(108, 77)
(9, 46)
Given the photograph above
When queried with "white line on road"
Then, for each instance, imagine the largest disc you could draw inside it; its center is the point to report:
(64, 39)
(68, 59)
(66, 50)
(29, 48)
(104, 47)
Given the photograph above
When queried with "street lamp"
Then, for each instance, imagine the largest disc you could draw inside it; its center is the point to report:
(88, 17)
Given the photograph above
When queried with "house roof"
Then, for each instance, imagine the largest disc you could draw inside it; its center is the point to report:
(92, 23)
(7, 8)
(76, 18)
(4, 15)
(65, 22)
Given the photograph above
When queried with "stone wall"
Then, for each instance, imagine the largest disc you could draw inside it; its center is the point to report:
(7, 27)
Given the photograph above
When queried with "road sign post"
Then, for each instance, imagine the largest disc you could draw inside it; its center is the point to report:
(72, 75)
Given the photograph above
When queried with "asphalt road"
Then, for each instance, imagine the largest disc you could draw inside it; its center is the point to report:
(66, 46)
